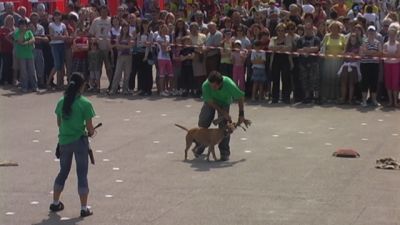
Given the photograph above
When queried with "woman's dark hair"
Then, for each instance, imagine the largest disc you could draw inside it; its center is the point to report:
(350, 46)
(75, 83)
(183, 30)
(124, 35)
(215, 77)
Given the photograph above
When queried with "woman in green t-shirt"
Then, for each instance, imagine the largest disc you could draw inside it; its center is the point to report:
(74, 117)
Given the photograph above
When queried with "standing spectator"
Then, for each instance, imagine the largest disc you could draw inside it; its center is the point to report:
(186, 56)
(370, 67)
(40, 40)
(164, 60)
(340, 8)
(319, 14)
(24, 44)
(94, 67)
(80, 48)
(71, 21)
(9, 10)
(292, 37)
(114, 35)
(135, 56)
(350, 70)
(212, 54)
(391, 49)
(58, 34)
(334, 43)
(6, 51)
(259, 76)
(238, 58)
(199, 67)
(21, 10)
(124, 61)
(100, 29)
(226, 62)
(280, 65)
(308, 65)
(144, 39)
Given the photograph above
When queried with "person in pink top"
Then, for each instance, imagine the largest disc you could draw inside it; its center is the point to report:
(238, 59)
(391, 49)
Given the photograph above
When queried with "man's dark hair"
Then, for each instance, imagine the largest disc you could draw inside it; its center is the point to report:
(215, 77)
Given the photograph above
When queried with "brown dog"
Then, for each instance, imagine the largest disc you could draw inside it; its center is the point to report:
(208, 137)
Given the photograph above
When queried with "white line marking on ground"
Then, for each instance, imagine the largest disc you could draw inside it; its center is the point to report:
(10, 213)
(363, 124)
(99, 151)
(170, 152)
(119, 181)
(331, 128)
(35, 141)
(301, 132)
(115, 168)
(380, 120)
(328, 144)
(34, 203)
(163, 114)
(106, 160)
(289, 148)
(188, 106)
(127, 119)
(243, 139)
(364, 139)
(47, 151)
(156, 142)
(395, 134)
(64, 218)
(275, 135)
(36, 131)
(247, 151)
(56, 160)
(108, 196)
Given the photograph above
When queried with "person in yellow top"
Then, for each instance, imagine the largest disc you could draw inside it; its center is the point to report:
(334, 43)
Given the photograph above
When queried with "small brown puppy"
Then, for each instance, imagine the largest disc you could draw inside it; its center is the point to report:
(208, 137)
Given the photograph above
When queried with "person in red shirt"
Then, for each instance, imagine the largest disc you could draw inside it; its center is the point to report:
(6, 50)
(80, 49)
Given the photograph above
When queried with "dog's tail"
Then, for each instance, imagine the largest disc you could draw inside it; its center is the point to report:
(182, 127)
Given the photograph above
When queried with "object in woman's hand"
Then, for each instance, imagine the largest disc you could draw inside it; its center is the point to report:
(58, 151)
(91, 156)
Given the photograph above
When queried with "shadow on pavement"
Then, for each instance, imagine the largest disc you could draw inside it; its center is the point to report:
(201, 164)
(54, 218)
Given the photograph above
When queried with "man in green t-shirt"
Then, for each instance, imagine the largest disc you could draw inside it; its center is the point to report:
(219, 92)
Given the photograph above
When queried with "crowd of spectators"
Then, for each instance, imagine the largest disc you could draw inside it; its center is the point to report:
(308, 51)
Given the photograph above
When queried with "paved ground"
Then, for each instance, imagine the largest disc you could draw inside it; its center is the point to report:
(281, 170)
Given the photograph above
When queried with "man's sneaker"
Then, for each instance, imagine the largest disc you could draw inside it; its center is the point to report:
(56, 208)
(87, 212)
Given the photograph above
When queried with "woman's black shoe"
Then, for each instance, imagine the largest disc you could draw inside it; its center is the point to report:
(56, 208)
(87, 212)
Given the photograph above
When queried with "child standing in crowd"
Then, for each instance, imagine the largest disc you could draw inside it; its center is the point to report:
(177, 65)
(114, 34)
(349, 72)
(94, 67)
(80, 48)
(259, 76)
(238, 58)
(124, 61)
(226, 51)
(187, 56)
(392, 65)
(164, 60)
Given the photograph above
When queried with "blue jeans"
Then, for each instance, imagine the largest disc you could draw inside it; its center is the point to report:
(80, 149)
(206, 117)
(58, 52)
(28, 74)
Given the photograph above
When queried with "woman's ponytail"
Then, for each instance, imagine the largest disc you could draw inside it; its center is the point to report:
(73, 89)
